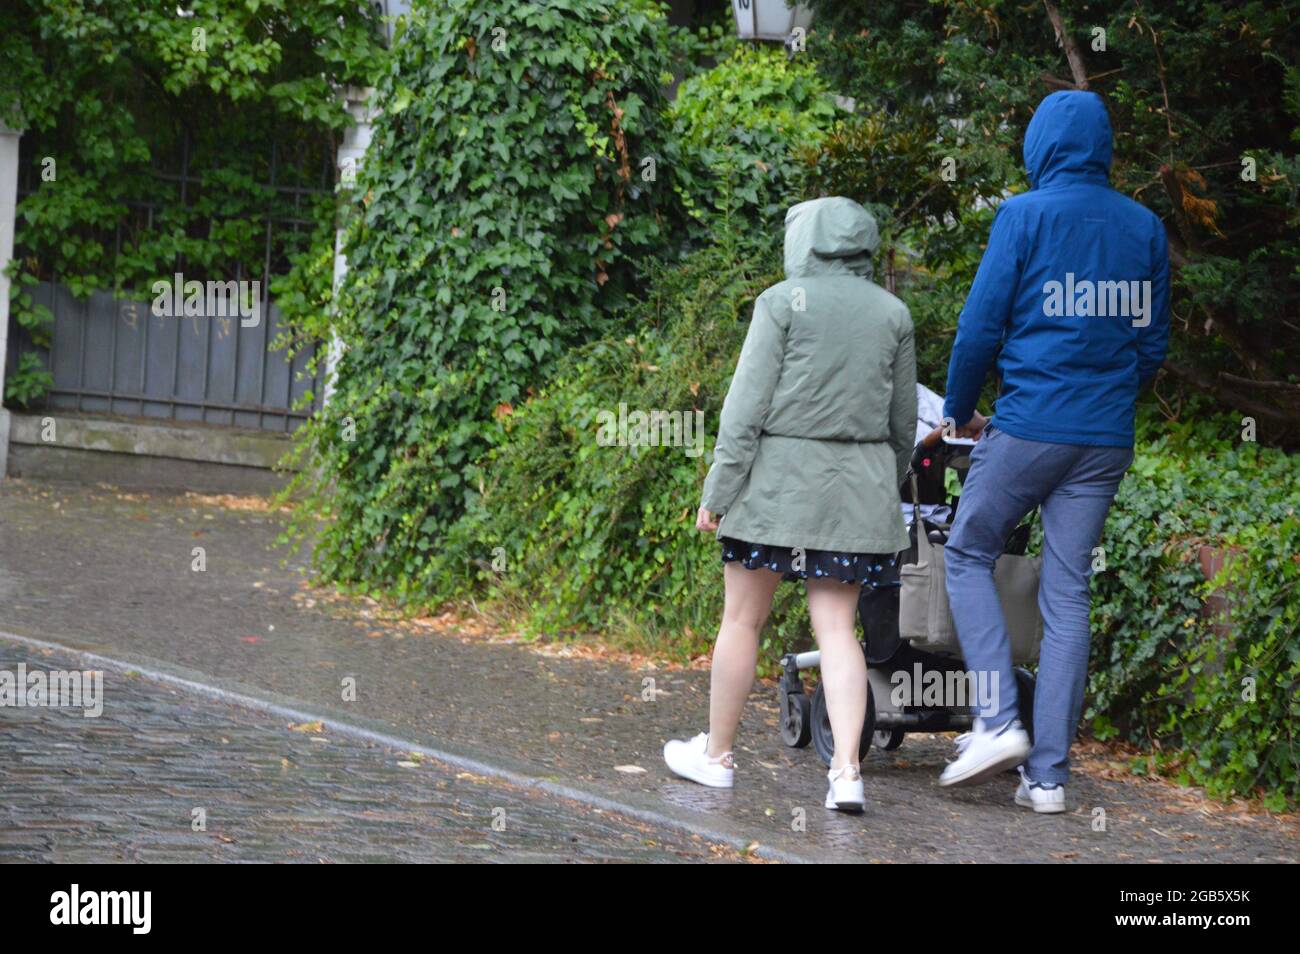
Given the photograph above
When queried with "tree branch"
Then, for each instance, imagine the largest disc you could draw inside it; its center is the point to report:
(1258, 385)
(1240, 402)
(1056, 81)
(1077, 68)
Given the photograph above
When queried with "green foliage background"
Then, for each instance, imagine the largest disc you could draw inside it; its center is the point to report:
(740, 120)
(1216, 705)
(600, 538)
(1194, 88)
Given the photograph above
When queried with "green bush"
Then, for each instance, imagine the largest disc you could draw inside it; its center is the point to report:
(743, 120)
(698, 47)
(500, 210)
(935, 290)
(597, 537)
(1164, 675)
(578, 536)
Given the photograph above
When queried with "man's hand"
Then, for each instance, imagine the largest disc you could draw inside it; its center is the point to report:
(974, 427)
(704, 520)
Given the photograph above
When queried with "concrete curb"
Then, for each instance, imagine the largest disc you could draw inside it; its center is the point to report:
(154, 439)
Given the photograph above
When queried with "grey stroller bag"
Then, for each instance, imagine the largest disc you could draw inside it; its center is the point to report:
(925, 616)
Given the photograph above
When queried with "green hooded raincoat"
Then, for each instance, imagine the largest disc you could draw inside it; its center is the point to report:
(818, 424)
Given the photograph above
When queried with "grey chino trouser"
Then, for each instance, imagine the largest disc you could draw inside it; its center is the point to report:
(1074, 485)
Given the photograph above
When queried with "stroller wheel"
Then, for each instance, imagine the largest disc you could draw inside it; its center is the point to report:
(822, 739)
(888, 739)
(796, 719)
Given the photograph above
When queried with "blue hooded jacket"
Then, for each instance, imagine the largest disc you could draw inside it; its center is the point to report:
(1073, 288)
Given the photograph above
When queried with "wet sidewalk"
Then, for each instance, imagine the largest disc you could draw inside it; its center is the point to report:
(169, 777)
(109, 573)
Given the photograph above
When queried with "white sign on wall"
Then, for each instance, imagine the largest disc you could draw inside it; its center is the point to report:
(769, 19)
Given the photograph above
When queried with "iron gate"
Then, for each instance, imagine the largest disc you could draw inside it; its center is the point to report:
(116, 357)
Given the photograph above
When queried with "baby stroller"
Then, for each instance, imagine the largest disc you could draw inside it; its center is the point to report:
(910, 650)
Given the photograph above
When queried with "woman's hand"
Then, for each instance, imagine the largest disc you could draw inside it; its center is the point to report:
(704, 520)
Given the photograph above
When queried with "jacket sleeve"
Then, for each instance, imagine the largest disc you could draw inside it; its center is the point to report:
(902, 403)
(745, 408)
(984, 318)
(1153, 340)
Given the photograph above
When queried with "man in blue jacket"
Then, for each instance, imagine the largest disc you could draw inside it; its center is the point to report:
(1072, 299)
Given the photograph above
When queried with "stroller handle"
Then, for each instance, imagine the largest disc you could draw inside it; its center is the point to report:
(933, 439)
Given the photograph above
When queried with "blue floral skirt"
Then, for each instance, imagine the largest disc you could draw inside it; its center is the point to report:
(876, 570)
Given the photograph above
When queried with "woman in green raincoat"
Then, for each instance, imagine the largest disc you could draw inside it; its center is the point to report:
(813, 442)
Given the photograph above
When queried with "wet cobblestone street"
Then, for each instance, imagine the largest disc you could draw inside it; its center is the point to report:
(125, 786)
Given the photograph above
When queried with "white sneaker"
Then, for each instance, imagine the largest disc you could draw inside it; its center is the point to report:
(983, 753)
(845, 793)
(689, 758)
(1042, 797)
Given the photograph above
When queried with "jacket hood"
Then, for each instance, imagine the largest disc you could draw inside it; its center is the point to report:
(830, 236)
(1068, 138)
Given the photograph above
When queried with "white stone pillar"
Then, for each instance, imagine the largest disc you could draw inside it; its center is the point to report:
(351, 153)
(8, 204)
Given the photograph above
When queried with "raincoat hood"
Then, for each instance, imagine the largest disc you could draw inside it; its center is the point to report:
(1068, 139)
(830, 236)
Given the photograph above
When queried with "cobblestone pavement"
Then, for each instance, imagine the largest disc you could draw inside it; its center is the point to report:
(125, 786)
(112, 573)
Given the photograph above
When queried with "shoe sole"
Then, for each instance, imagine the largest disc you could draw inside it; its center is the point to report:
(711, 782)
(1054, 808)
(982, 773)
(851, 808)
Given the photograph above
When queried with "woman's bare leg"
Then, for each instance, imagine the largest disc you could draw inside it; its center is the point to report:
(833, 608)
(748, 601)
